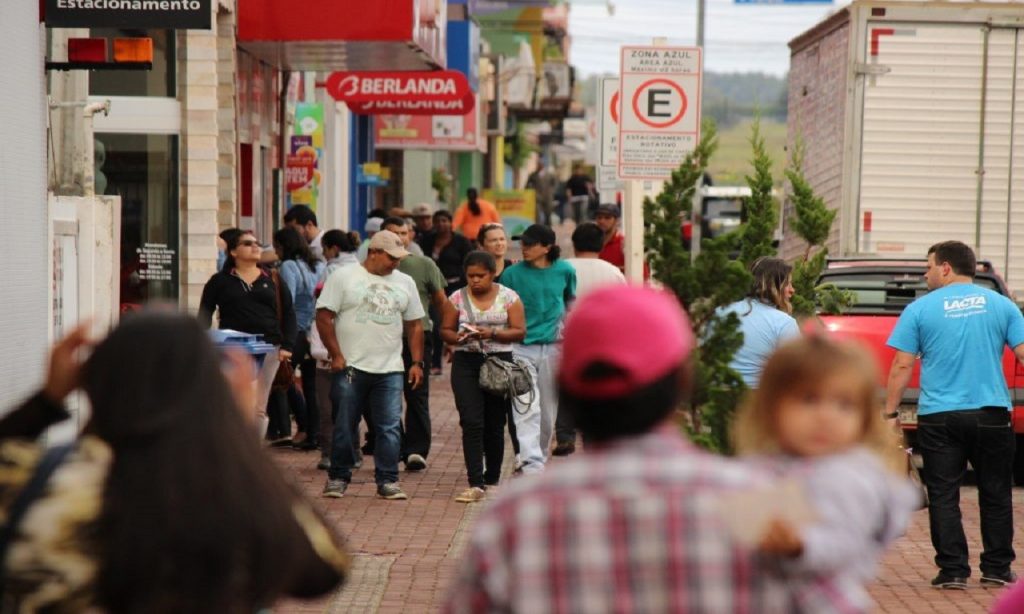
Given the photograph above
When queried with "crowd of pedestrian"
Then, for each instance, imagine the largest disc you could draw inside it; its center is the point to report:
(561, 352)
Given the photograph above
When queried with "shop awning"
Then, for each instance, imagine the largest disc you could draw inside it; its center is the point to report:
(331, 35)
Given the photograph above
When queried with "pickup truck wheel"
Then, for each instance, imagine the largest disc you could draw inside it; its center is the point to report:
(1018, 463)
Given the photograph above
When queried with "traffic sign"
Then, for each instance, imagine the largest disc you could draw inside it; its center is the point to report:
(659, 109)
(608, 128)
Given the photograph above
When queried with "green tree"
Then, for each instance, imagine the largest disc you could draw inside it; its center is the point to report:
(812, 221)
(703, 285)
(760, 211)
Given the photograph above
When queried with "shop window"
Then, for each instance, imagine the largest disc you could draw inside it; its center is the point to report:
(143, 170)
(159, 81)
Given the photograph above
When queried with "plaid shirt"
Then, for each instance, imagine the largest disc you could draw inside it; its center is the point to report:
(629, 527)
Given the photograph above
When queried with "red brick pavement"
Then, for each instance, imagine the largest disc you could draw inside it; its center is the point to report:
(406, 551)
(406, 546)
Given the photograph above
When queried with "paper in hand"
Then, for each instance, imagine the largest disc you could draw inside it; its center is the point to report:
(747, 514)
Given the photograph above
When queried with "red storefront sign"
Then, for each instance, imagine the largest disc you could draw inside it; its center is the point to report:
(374, 86)
(298, 172)
(414, 107)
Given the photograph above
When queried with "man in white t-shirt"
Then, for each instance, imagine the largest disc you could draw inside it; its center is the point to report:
(361, 316)
(591, 273)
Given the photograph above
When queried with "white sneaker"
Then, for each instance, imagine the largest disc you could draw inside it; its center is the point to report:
(415, 462)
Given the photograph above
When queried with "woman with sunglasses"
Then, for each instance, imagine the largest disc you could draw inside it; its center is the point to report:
(245, 298)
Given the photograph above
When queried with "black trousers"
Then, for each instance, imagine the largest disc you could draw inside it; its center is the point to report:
(482, 418)
(416, 430)
(947, 441)
(304, 406)
(565, 427)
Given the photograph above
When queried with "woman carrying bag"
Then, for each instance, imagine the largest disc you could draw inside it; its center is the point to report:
(481, 321)
(301, 271)
(246, 299)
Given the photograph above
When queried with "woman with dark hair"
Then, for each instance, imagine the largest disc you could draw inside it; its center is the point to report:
(135, 520)
(245, 298)
(494, 241)
(449, 251)
(483, 319)
(301, 271)
(765, 319)
(222, 242)
(547, 286)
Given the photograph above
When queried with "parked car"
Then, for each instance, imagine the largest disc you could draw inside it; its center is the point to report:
(882, 288)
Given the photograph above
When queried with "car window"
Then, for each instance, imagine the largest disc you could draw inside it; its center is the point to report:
(877, 292)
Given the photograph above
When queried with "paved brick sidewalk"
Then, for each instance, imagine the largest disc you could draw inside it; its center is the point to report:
(406, 551)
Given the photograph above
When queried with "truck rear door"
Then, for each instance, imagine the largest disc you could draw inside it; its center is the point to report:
(942, 148)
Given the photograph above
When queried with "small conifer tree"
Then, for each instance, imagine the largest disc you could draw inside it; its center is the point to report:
(812, 221)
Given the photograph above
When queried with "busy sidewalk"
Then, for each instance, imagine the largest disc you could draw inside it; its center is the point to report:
(406, 551)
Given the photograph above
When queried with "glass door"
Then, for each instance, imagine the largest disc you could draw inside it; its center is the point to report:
(143, 170)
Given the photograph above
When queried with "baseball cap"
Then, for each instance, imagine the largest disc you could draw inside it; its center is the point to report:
(390, 243)
(642, 332)
(537, 233)
(373, 224)
(608, 209)
(422, 210)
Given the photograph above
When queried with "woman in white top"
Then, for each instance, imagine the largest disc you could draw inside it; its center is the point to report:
(497, 321)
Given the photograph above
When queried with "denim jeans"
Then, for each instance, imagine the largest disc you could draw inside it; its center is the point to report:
(381, 393)
(535, 422)
(947, 441)
(482, 418)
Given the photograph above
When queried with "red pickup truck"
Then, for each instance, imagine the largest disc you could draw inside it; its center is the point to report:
(882, 288)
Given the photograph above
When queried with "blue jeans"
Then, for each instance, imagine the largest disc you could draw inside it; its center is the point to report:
(381, 393)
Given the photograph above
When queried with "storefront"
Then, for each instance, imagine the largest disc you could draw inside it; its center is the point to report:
(396, 35)
(137, 158)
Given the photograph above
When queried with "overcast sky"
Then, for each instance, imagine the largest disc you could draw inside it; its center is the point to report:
(738, 38)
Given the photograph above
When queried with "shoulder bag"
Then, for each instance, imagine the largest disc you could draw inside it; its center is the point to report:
(285, 376)
(508, 379)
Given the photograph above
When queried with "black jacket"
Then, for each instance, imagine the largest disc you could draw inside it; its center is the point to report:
(250, 309)
(450, 260)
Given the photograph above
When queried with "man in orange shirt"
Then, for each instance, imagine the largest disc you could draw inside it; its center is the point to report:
(473, 213)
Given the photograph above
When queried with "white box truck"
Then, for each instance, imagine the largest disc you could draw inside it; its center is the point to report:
(912, 115)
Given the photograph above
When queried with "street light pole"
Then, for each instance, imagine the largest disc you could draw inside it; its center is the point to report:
(700, 24)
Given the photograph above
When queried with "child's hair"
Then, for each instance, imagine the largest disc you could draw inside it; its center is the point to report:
(802, 365)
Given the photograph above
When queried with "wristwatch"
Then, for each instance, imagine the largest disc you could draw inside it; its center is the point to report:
(891, 416)
(418, 363)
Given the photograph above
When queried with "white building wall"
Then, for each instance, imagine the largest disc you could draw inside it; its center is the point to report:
(24, 250)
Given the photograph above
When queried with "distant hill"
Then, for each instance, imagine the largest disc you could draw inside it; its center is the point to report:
(728, 97)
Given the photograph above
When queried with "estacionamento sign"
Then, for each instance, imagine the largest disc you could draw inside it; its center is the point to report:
(171, 14)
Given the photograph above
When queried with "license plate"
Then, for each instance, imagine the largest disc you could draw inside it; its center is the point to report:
(908, 414)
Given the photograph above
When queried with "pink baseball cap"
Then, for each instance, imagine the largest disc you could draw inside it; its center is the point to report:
(640, 331)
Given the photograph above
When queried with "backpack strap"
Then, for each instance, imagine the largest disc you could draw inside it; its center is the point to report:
(51, 460)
